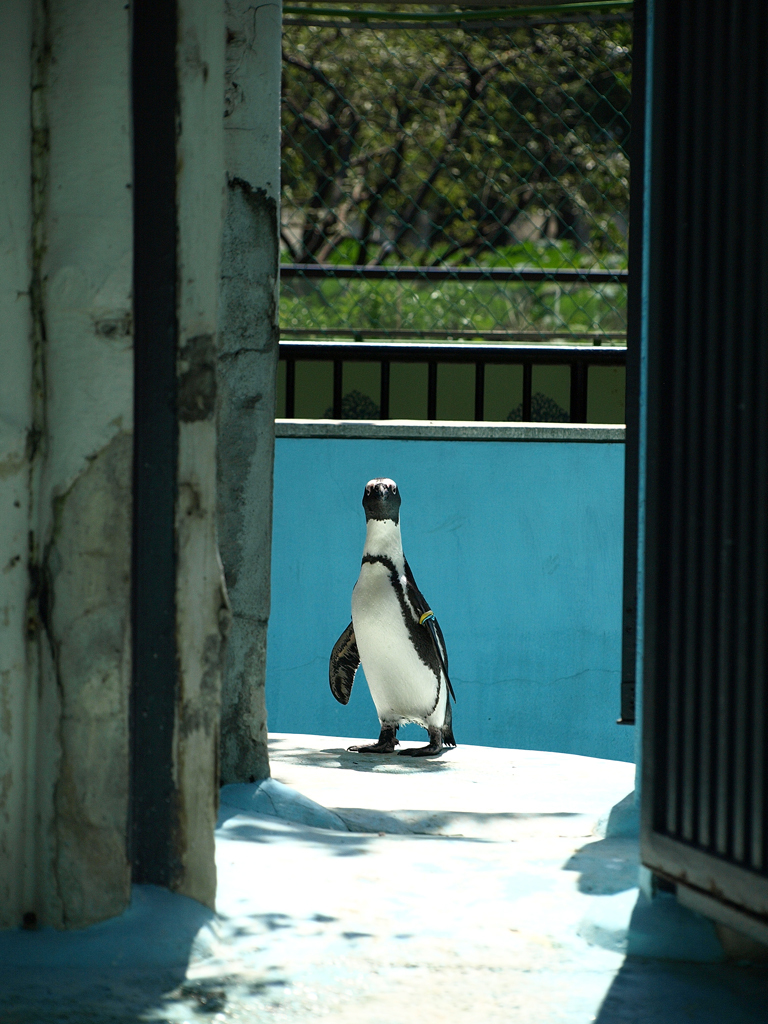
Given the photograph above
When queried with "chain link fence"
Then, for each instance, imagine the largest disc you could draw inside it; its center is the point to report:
(446, 180)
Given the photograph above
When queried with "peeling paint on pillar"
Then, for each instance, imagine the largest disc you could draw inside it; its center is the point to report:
(247, 371)
(246, 452)
(87, 573)
(80, 524)
(197, 379)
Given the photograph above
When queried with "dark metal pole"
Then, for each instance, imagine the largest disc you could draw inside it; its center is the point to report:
(479, 391)
(338, 369)
(155, 667)
(578, 393)
(290, 389)
(527, 381)
(432, 391)
(384, 402)
(632, 401)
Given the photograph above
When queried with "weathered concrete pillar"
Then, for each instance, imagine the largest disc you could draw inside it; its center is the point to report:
(247, 370)
(80, 595)
(202, 611)
(67, 418)
(67, 315)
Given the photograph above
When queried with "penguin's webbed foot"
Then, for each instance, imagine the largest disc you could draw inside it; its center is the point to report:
(376, 748)
(385, 744)
(433, 748)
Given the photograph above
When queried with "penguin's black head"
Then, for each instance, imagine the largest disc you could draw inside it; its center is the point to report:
(382, 500)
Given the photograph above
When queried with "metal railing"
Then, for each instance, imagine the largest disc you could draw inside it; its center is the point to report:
(334, 270)
(578, 358)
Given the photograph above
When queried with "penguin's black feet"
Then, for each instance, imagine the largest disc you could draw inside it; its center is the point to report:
(376, 748)
(433, 748)
(385, 744)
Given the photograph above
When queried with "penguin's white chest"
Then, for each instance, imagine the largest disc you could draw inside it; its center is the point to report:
(403, 688)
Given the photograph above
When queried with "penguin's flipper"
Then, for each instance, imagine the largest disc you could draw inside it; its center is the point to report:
(418, 600)
(433, 626)
(345, 661)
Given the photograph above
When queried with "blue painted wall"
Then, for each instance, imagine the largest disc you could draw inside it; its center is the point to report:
(517, 546)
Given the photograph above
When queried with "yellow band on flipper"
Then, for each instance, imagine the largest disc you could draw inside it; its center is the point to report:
(427, 615)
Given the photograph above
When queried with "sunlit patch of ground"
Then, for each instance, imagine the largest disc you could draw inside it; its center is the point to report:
(477, 887)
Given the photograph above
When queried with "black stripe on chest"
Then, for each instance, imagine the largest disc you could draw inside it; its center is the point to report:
(418, 635)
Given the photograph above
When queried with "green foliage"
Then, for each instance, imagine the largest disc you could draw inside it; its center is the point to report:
(502, 146)
(457, 306)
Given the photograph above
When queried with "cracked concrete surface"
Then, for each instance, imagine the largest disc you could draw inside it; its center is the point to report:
(87, 566)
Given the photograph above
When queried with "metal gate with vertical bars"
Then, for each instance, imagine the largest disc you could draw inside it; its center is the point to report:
(705, 757)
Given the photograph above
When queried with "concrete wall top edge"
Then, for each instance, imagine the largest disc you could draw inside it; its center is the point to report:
(449, 430)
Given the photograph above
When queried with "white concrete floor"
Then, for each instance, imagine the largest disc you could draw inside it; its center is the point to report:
(477, 887)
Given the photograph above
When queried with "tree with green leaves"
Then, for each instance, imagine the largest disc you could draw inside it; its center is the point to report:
(504, 144)
(432, 144)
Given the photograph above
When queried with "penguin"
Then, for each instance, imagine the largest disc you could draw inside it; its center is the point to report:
(395, 636)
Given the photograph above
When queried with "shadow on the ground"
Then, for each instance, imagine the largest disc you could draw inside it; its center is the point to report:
(115, 972)
(606, 866)
(364, 824)
(263, 829)
(372, 825)
(340, 757)
(666, 992)
(110, 997)
(477, 826)
(59, 996)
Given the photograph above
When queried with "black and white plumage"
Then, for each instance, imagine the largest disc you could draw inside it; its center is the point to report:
(402, 652)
